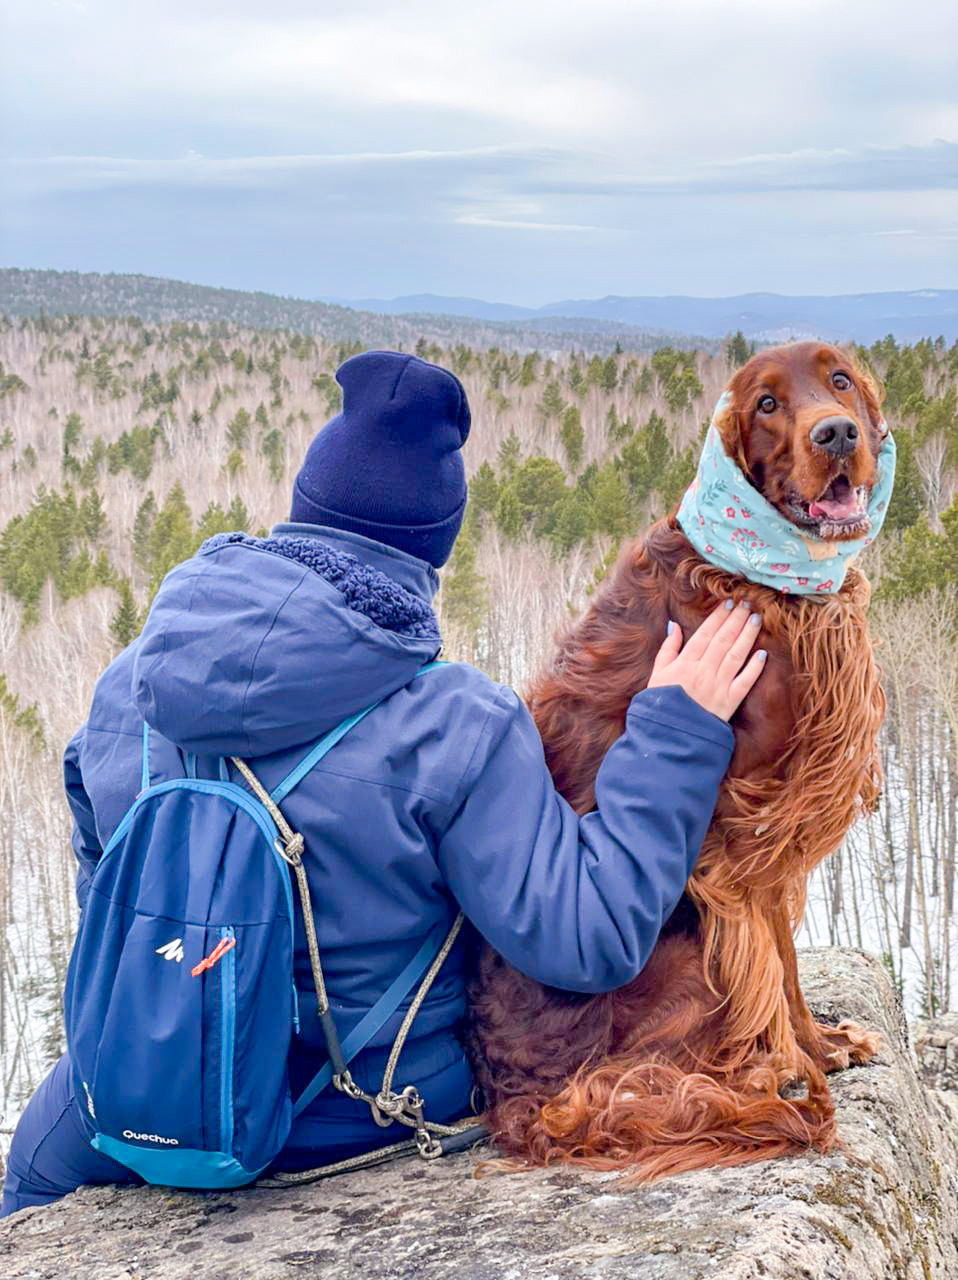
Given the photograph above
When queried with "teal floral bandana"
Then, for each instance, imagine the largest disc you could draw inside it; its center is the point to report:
(734, 527)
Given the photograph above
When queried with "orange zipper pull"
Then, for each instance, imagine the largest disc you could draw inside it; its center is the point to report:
(220, 950)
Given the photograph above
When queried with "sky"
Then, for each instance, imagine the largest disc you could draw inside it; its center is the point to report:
(514, 150)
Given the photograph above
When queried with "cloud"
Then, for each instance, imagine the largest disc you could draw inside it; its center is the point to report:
(532, 150)
(904, 168)
(65, 173)
(523, 224)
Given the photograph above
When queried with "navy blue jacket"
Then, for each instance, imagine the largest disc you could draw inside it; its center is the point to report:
(441, 796)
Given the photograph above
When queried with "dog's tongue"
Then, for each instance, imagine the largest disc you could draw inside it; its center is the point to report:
(839, 502)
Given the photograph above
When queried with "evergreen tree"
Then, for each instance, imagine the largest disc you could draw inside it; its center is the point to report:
(237, 515)
(92, 516)
(234, 463)
(610, 375)
(484, 490)
(574, 520)
(143, 523)
(27, 719)
(172, 538)
(509, 454)
(528, 499)
(125, 623)
(464, 589)
(552, 404)
(736, 349)
(610, 501)
(237, 431)
(907, 505)
(273, 448)
(572, 436)
(527, 375)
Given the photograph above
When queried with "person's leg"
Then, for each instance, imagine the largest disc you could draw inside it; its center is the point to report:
(50, 1155)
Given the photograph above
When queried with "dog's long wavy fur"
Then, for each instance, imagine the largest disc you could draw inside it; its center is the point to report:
(711, 1056)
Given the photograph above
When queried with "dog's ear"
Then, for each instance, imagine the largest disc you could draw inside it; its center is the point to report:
(871, 388)
(733, 418)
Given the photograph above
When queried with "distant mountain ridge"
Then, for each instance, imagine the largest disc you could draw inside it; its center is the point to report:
(155, 300)
(597, 325)
(764, 317)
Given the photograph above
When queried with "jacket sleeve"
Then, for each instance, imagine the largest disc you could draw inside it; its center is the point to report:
(578, 903)
(86, 843)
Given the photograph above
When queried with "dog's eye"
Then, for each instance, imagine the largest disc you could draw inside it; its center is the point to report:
(841, 381)
(767, 404)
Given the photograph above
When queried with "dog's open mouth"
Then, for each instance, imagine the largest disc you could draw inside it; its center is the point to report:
(841, 511)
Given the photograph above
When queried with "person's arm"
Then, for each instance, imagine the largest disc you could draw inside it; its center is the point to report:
(86, 843)
(579, 903)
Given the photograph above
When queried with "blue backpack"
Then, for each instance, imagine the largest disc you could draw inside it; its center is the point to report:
(180, 1002)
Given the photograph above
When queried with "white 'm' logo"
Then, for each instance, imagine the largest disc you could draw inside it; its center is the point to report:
(172, 950)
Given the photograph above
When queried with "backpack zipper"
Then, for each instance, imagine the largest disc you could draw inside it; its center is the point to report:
(227, 1038)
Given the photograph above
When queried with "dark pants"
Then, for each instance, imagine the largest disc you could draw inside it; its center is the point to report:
(51, 1154)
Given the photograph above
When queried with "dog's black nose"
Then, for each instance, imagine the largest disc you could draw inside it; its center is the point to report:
(837, 435)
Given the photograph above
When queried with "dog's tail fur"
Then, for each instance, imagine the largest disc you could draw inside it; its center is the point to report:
(664, 1100)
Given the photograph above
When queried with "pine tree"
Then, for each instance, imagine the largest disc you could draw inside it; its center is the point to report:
(237, 432)
(572, 436)
(551, 405)
(234, 463)
(610, 375)
(172, 538)
(610, 501)
(464, 596)
(736, 349)
(125, 623)
(574, 521)
(92, 516)
(509, 454)
(907, 505)
(143, 523)
(237, 515)
(273, 448)
(484, 490)
(528, 499)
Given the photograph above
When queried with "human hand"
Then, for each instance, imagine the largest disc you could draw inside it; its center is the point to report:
(710, 668)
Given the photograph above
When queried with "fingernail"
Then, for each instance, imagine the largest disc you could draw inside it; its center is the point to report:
(670, 628)
(729, 604)
(761, 654)
(746, 604)
(756, 619)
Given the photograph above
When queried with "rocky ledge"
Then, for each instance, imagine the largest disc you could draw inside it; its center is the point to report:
(885, 1207)
(936, 1048)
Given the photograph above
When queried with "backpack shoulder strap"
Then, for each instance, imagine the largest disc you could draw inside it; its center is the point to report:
(378, 1015)
(326, 744)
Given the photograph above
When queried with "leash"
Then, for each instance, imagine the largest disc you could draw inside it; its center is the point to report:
(451, 1139)
(388, 1106)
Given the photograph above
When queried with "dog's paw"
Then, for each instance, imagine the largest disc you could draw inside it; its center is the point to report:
(845, 1045)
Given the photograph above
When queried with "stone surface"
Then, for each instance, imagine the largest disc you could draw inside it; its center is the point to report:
(885, 1207)
(936, 1048)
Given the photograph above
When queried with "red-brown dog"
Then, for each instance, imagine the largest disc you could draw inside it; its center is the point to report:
(686, 1066)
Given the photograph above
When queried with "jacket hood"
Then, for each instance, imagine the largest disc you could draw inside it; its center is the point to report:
(256, 645)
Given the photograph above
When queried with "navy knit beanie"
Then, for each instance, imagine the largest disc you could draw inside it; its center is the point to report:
(389, 466)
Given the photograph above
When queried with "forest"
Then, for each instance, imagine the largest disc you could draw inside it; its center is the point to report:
(125, 443)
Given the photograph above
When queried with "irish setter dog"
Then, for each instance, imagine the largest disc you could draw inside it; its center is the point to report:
(711, 1056)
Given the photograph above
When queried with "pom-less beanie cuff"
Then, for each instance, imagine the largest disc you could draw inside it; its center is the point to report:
(430, 542)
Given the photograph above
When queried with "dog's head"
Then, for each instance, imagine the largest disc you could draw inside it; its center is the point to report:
(804, 424)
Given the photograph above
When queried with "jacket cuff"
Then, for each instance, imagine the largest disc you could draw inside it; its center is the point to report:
(671, 706)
